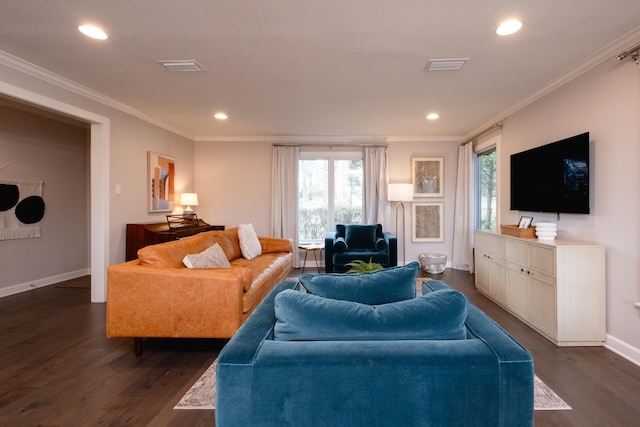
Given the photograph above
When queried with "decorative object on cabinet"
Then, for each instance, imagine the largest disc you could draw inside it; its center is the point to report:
(516, 231)
(160, 179)
(546, 230)
(427, 222)
(427, 176)
(557, 288)
(176, 227)
(525, 221)
(400, 193)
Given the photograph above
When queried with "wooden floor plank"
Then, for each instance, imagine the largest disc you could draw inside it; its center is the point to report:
(58, 368)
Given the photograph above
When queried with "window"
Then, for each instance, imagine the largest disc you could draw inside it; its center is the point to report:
(330, 192)
(486, 189)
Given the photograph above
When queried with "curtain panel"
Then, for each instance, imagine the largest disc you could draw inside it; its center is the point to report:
(284, 205)
(375, 184)
(462, 257)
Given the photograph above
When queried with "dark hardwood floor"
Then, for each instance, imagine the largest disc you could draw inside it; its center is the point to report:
(57, 368)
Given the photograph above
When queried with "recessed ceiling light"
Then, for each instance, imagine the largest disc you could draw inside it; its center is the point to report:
(93, 32)
(433, 116)
(509, 27)
(220, 116)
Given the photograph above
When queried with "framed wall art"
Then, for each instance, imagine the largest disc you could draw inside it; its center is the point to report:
(427, 176)
(427, 222)
(161, 173)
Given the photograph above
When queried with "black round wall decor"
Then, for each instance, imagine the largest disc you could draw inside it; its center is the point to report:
(9, 195)
(30, 210)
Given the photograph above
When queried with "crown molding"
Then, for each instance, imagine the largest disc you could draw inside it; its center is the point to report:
(329, 139)
(302, 139)
(456, 139)
(609, 51)
(47, 76)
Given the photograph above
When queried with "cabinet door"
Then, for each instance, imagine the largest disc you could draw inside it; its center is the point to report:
(542, 306)
(482, 273)
(498, 280)
(518, 292)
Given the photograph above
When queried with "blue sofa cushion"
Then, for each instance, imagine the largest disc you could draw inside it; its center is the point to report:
(360, 236)
(339, 245)
(439, 315)
(378, 287)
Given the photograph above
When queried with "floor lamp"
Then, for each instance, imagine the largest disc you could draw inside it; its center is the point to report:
(400, 193)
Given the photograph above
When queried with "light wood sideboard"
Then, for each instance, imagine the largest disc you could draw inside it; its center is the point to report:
(556, 287)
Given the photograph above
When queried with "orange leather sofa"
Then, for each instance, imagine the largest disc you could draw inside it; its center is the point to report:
(157, 296)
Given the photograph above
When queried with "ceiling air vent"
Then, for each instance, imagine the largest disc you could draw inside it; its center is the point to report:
(181, 65)
(448, 64)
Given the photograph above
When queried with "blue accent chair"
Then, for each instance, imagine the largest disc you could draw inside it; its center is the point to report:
(364, 242)
(482, 380)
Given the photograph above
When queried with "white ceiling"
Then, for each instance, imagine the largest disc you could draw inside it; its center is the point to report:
(317, 68)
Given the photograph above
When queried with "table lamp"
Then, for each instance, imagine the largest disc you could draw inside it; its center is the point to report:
(188, 200)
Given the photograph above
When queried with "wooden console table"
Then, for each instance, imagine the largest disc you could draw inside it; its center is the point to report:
(141, 235)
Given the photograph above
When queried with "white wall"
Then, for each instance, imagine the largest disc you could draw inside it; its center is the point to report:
(233, 182)
(605, 102)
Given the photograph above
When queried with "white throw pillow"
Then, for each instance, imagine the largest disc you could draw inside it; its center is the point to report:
(212, 257)
(249, 243)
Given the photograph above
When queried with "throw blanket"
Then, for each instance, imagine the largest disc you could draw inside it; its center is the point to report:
(21, 209)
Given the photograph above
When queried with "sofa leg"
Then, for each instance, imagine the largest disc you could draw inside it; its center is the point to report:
(137, 346)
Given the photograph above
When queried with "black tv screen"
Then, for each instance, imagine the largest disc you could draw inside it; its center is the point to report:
(553, 177)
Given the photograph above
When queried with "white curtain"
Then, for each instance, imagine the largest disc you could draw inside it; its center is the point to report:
(284, 187)
(375, 184)
(463, 224)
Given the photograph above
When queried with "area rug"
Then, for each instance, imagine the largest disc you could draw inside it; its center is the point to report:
(202, 395)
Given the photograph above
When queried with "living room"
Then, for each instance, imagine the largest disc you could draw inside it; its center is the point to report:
(599, 96)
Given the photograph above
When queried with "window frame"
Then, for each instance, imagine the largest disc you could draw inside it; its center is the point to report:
(492, 144)
(331, 156)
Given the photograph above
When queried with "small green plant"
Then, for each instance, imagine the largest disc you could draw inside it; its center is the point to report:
(358, 266)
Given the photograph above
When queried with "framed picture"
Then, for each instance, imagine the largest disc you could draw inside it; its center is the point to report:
(161, 173)
(427, 222)
(427, 176)
(525, 221)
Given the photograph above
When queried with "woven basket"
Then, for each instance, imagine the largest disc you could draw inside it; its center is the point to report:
(514, 230)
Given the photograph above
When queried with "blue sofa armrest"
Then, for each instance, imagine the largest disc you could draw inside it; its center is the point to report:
(328, 250)
(506, 348)
(392, 244)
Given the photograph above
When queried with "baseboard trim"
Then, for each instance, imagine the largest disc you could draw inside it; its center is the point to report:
(621, 348)
(40, 283)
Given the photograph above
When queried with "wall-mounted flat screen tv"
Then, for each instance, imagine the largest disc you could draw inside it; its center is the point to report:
(553, 177)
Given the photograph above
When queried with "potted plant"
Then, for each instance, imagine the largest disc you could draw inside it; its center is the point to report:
(358, 266)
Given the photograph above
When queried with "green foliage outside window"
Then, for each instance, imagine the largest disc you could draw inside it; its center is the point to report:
(487, 189)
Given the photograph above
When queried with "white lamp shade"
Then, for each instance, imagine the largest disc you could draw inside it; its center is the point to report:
(189, 199)
(400, 192)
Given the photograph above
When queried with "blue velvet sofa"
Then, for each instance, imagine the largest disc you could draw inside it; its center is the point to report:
(364, 242)
(484, 378)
